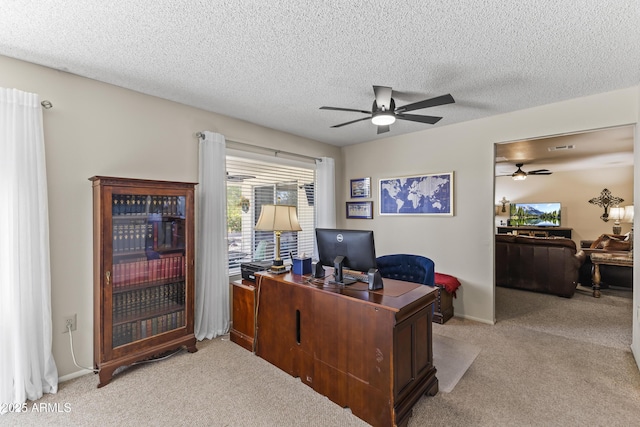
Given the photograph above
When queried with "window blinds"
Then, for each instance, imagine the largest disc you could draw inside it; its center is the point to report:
(252, 183)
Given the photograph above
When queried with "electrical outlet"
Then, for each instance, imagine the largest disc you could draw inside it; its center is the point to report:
(70, 321)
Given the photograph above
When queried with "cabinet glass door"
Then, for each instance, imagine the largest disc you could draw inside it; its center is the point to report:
(148, 270)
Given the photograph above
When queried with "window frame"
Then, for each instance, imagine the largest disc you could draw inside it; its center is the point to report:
(246, 242)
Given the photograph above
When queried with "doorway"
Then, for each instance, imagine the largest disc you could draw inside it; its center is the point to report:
(576, 168)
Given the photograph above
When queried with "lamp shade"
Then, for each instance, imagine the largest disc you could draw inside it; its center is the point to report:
(278, 218)
(616, 213)
(628, 214)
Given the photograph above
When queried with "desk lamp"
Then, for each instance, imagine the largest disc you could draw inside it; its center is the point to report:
(278, 218)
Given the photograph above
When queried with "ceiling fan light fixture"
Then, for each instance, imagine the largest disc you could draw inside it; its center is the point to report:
(384, 113)
(519, 175)
(383, 118)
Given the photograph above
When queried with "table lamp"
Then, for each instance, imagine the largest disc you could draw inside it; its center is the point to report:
(628, 214)
(278, 218)
(616, 214)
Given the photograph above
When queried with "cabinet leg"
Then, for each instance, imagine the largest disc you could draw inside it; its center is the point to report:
(105, 375)
(191, 346)
(433, 390)
(596, 280)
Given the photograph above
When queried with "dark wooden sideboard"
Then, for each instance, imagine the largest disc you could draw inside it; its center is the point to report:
(537, 231)
(370, 351)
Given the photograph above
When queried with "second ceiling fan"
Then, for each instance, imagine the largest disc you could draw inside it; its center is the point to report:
(519, 174)
(384, 111)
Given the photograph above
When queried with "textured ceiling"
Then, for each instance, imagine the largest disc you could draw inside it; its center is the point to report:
(276, 63)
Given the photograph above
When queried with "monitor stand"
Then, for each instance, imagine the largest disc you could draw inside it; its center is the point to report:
(338, 265)
(344, 282)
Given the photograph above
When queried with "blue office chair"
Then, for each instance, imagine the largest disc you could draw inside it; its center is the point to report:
(410, 268)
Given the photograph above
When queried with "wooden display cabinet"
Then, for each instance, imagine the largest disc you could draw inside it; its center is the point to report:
(143, 270)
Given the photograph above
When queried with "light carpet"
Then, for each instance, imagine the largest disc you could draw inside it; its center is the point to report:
(546, 362)
(452, 358)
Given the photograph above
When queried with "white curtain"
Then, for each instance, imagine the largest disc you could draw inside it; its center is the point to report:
(212, 282)
(27, 368)
(325, 193)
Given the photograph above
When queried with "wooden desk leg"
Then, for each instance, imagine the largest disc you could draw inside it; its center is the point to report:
(596, 280)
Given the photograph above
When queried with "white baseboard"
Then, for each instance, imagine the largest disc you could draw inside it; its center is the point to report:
(73, 375)
(475, 319)
(636, 356)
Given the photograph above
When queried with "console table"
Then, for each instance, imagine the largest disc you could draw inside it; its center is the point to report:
(607, 259)
(537, 231)
(370, 351)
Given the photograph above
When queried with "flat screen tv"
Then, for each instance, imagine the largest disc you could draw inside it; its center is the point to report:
(535, 214)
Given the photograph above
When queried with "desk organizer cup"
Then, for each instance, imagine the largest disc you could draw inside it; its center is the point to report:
(302, 266)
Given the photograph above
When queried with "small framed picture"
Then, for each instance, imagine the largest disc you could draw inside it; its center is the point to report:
(360, 188)
(360, 210)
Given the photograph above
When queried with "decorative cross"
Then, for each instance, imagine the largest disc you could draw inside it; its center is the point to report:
(606, 200)
(504, 201)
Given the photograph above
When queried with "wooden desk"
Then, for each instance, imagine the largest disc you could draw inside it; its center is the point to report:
(369, 351)
(243, 327)
(607, 259)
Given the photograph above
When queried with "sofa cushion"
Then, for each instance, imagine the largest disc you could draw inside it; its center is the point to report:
(506, 238)
(561, 242)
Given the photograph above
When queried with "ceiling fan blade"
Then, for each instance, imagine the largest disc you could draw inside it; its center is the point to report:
(433, 102)
(238, 178)
(383, 129)
(416, 118)
(345, 109)
(383, 96)
(352, 121)
(540, 172)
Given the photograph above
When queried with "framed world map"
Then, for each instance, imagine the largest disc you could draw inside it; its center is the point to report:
(429, 194)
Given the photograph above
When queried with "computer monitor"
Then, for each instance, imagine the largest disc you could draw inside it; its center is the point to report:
(351, 249)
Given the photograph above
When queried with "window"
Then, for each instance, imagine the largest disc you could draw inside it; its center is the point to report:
(253, 183)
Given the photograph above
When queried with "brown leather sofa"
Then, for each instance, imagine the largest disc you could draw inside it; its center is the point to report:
(539, 264)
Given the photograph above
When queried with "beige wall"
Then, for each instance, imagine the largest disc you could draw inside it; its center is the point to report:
(99, 129)
(573, 189)
(462, 245)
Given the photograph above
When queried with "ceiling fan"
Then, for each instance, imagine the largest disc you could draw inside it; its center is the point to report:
(238, 178)
(384, 111)
(519, 174)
